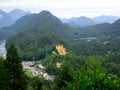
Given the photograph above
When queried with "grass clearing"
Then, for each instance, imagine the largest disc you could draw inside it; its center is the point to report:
(28, 73)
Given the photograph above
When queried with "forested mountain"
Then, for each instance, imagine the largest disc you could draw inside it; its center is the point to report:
(37, 24)
(7, 19)
(101, 41)
(38, 29)
(42, 38)
(102, 30)
(32, 27)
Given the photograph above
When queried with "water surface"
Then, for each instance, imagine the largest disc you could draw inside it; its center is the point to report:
(2, 48)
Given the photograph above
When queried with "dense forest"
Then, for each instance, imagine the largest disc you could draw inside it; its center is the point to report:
(80, 73)
(78, 58)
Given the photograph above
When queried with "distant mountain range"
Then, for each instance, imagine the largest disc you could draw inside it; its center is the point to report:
(46, 30)
(79, 21)
(37, 24)
(7, 19)
(85, 21)
(46, 23)
(104, 30)
(106, 19)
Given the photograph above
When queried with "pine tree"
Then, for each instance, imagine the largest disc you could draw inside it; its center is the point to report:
(14, 70)
(63, 77)
(2, 75)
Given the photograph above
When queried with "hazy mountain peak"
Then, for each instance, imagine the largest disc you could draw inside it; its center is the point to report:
(105, 18)
(81, 22)
(2, 12)
(45, 13)
(84, 17)
(46, 16)
(76, 18)
(17, 10)
(9, 18)
(117, 22)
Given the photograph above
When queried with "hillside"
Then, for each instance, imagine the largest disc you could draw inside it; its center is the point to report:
(45, 23)
(35, 48)
(43, 38)
(36, 24)
(45, 31)
(103, 30)
(35, 30)
(102, 39)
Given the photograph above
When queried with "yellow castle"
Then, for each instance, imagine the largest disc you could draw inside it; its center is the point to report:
(60, 49)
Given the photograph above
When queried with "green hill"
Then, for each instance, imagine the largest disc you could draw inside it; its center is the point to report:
(37, 24)
(101, 31)
(35, 48)
(37, 34)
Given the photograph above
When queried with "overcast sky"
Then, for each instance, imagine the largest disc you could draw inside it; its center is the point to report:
(66, 8)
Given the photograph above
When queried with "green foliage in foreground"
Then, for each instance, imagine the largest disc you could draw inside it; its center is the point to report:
(76, 73)
(70, 58)
(2, 75)
(37, 83)
(13, 67)
(92, 77)
(11, 71)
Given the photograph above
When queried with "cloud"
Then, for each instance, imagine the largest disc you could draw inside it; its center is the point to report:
(65, 7)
